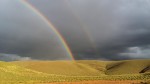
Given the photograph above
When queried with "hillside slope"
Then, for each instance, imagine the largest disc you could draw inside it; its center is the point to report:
(127, 67)
(69, 68)
(10, 72)
(88, 67)
(29, 72)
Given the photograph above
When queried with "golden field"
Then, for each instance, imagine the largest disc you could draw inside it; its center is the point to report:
(75, 72)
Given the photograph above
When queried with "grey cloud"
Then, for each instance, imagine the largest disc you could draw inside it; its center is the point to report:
(13, 57)
(137, 52)
(24, 33)
(93, 29)
(113, 26)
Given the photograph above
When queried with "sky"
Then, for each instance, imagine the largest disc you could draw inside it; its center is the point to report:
(93, 29)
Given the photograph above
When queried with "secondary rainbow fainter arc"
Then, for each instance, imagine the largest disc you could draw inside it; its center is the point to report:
(83, 26)
(49, 23)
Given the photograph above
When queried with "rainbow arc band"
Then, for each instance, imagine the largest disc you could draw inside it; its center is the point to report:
(49, 23)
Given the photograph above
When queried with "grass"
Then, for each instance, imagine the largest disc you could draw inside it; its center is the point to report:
(102, 82)
(127, 67)
(69, 68)
(34, 72)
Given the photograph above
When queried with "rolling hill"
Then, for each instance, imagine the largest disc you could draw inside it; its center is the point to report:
(87, 67)
(128, 67)
(61, 71)
(69, 68)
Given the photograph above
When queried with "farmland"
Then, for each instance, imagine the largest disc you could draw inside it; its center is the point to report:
(34, 72)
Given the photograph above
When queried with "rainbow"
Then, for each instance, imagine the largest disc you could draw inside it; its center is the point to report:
(84, 27)
(49, 23)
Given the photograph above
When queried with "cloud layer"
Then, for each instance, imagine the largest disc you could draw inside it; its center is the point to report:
(101, 28)
(24, 33)
(93, 29)
(13, 57)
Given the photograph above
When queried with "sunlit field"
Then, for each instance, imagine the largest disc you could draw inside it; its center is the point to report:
(74, 72)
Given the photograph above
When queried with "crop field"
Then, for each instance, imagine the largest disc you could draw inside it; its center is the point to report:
(75, 72)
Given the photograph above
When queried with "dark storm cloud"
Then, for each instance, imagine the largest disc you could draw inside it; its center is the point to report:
(93, 29)
(23, 34)
(63, 19)
(114, 26)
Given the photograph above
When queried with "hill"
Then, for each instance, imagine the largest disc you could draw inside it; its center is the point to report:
(62, 71)
(127, 67)
(69, 68)
(87, 67)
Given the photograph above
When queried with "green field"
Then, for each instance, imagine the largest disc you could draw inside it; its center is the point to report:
(33, 72)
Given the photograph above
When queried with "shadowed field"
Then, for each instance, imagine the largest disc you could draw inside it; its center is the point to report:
(75, 72)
